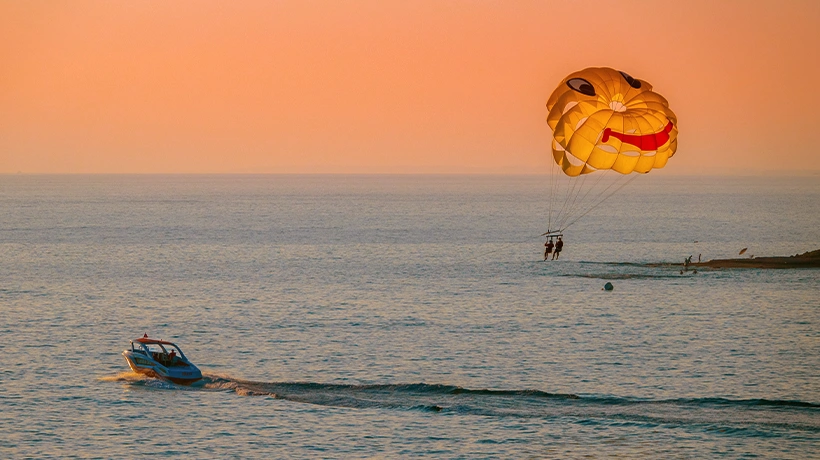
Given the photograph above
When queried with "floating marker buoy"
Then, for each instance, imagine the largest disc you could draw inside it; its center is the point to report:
(608, 287)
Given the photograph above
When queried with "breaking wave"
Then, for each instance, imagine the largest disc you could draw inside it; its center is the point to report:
(620, 276)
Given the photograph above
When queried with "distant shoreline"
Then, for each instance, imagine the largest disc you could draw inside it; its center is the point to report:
(809, 259)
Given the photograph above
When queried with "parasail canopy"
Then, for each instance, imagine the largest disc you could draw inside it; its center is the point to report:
(605, 125)
(603, 119)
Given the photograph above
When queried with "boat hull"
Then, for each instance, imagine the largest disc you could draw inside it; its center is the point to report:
(182, 375)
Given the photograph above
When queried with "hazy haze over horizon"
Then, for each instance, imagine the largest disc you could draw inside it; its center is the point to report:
(389, 87)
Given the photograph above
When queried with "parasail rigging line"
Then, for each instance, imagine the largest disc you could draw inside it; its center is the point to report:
(602, 200)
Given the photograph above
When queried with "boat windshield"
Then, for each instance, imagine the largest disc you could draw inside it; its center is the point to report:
(156, 349)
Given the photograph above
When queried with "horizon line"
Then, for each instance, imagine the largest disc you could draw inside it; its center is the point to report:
(755, 173)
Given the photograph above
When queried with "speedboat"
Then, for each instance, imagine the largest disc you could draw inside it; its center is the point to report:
(161, 359)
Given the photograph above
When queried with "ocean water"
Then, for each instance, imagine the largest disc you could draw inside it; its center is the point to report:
(406, 316)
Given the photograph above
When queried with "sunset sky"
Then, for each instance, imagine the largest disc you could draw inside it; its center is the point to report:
(419, 86)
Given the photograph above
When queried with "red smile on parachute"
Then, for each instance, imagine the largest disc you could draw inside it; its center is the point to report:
(646, 142)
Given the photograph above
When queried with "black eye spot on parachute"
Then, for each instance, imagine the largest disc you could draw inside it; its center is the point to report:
(632, 82)
(581, 85)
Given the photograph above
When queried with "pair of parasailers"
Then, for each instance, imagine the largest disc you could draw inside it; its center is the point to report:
(558, 246)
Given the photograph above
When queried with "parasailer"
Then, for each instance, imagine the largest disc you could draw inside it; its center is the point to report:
(548, 248)
(605, 123)
(559, 245)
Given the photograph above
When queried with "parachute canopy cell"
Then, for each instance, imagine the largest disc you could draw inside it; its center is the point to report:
(604, 119)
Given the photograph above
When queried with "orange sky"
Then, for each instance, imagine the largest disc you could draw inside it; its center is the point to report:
(381, 87)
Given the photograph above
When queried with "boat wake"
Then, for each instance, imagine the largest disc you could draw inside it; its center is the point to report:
(760, 417)
(136, 380)
(129, 376)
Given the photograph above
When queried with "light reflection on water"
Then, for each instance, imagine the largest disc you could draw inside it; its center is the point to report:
(384, 282)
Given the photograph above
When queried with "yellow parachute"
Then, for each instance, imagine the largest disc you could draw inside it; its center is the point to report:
(603, 120)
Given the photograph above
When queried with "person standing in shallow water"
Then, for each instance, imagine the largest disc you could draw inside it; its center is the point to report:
(559, 245)
(548, 245)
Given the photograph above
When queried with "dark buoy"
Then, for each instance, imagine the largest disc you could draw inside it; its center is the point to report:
(608, 286)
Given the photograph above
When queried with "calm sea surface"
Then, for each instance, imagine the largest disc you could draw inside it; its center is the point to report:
(406, 316)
